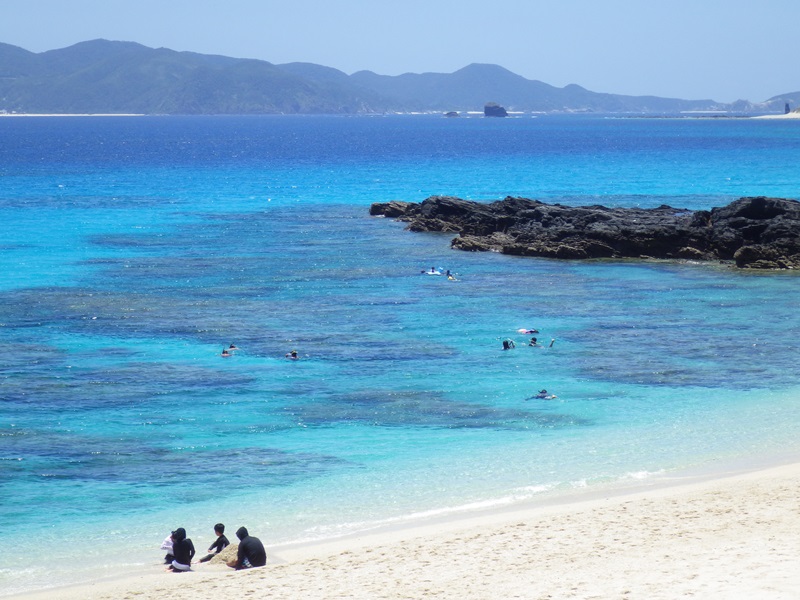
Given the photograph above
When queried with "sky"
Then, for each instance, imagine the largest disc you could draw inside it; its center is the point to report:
(722, 50)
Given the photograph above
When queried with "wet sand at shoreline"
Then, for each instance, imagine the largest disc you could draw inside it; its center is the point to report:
(725, 538)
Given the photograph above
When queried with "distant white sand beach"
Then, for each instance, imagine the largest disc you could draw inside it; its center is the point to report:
(795, 114)
(736, 537)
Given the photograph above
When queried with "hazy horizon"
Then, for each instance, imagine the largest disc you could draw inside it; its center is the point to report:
(716, 50)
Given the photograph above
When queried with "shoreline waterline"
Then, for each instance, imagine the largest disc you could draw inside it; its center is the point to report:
(745, 487)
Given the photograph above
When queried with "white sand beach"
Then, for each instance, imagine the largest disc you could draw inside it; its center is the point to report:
(735, 537)
(795, 114)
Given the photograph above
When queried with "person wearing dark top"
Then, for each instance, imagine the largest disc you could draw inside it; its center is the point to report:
(182, 550)
(219, 545)
(251, 551)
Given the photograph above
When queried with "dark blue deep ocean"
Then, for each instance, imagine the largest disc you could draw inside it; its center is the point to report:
(135, 248)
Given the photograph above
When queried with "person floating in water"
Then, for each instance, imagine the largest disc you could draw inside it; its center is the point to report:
(542, 395)
(528, 331)
(292, 355)
(232, 348)
(509, 345)
(226, 354)
(534, 343)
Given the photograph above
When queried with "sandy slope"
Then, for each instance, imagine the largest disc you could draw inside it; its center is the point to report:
(737, 537)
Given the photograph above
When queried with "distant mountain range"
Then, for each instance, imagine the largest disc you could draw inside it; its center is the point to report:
(102, 76)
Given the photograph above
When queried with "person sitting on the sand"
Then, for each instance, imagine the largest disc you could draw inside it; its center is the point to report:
(182, 550)
(219, 545)
(167, 545)
(251, 551)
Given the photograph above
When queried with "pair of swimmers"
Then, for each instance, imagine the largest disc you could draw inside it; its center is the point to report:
(508, 344)
(434, 271)
(228, 352)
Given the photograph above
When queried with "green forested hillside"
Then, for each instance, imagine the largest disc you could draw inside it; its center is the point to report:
(102, 76)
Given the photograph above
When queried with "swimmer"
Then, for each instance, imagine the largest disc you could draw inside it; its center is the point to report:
(509, 345)
(225, 353)
(534, 343)
(292, 355)
(528, 331)
(232, 347)
(542, 395)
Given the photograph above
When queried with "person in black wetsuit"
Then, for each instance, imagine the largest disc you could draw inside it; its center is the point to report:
(219, 545)
(182, 550)
(251, 551)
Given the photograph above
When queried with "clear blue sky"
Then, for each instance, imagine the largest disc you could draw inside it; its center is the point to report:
(719, 49)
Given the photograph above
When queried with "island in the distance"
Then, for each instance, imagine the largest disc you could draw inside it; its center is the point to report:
(755, 233)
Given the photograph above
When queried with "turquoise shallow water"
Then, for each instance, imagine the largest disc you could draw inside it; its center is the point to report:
(135, 249)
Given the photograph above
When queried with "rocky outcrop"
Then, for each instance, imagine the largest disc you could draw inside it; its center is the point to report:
(759, 233)
(492, 109)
